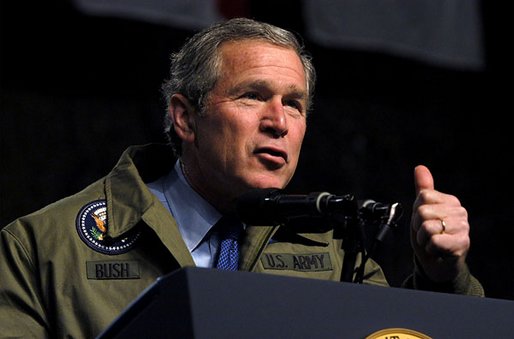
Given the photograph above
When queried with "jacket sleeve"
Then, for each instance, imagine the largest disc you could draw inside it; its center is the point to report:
(22, 313)
(464, 283)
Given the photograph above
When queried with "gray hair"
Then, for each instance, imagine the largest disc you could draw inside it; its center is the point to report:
(195, 68)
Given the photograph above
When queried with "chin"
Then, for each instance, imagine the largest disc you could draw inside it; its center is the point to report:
(275, 183)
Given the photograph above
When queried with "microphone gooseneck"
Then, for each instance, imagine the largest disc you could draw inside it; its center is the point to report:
(272, 206)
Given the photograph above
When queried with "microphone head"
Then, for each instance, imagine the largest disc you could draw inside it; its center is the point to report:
(255, 207)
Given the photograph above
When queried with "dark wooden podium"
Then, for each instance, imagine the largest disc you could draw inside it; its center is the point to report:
(207, 303)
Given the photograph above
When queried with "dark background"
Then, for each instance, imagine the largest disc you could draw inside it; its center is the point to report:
(76, 90)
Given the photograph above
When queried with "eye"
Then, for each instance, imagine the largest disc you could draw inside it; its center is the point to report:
(252, 96)
(297, 105)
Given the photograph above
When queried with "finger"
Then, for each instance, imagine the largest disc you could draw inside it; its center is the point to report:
(441, 207)
(446, 245)
(429, 229)
(422, 178)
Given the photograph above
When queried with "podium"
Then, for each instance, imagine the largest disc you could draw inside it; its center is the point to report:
(207, 303)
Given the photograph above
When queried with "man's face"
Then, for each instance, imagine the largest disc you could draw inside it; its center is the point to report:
(253, 124)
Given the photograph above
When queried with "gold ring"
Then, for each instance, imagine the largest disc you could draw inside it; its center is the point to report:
(443, 225)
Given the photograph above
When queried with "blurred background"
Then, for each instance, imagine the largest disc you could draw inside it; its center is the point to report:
(400, 83)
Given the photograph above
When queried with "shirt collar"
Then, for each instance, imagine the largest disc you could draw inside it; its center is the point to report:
(194, 215)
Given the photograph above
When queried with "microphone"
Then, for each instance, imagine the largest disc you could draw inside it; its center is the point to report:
(271, 206)
(373, 209)
(385, 214)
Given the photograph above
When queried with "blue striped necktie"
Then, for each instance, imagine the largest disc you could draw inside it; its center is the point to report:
(229, 231)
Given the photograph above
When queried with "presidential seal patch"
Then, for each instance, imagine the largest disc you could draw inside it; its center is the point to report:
(92, 228)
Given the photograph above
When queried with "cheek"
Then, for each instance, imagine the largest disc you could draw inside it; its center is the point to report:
(240, 132)
(220, 132)
(236, 141)
(297, 136)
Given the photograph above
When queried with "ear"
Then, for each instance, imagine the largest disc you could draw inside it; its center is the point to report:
(181, 112)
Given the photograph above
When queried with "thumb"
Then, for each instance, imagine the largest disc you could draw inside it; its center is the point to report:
(422, 178)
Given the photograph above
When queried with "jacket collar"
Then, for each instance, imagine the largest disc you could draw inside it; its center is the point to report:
(128, 197)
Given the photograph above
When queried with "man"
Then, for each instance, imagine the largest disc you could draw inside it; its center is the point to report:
(238, 98)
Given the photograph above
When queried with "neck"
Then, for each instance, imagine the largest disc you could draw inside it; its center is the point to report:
(222, 205)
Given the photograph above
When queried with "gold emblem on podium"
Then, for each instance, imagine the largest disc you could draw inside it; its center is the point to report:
(397, 333)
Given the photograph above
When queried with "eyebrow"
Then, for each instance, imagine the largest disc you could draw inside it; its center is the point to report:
(260, 85)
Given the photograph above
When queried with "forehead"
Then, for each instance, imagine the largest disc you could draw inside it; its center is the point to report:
(251, 56)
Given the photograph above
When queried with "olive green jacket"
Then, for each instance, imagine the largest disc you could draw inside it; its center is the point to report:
(69, 269)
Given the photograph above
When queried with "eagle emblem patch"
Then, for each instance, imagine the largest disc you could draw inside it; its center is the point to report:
(92, 226)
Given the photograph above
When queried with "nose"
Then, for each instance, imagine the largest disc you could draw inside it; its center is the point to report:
(274, 119)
